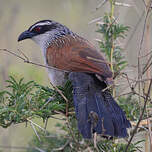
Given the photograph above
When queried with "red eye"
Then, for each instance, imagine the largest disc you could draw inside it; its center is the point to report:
(37, 29)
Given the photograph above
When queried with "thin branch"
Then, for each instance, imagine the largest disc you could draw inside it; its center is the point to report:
(139, 54)
(95, 20)
(12, 53)
(57, 118)
(101, 4)
(39, 149)
(146, 54)
(134, 30)
(147, 66)
(49, 100)
(36, 124)
(35, 132)
(16, 147)
(46, 122)
(145, 22)
(26, 60)
(123, 4)
(141, 116)
(128, 80)
(150, 131)
(134, 80)
(63, 96)
(144, 3)
(63, 147)
(23, 54)
(72, 134)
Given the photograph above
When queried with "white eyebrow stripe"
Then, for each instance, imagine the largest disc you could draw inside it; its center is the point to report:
(40, 24)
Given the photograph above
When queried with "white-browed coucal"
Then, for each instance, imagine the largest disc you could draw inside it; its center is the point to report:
(96, 110)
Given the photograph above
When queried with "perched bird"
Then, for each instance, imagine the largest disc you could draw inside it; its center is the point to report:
(72, 55)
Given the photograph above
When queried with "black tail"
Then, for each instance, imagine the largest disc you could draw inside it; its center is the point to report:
(96, 111)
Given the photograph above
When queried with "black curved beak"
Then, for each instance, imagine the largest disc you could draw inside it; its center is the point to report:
(25, 35)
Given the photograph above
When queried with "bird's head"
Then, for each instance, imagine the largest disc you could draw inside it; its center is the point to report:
(44, 31)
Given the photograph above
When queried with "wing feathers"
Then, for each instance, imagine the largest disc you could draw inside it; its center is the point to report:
(77, 55)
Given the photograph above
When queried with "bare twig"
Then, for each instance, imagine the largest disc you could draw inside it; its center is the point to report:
(26, 60)
(145, 22)
(23, 54)
(63, 147)
(46, 122)
(35, 131)
(72, 134)
(128, 80)
(150, 52)
(134, 30)
(63, 96)
(95, 20)
(141, 116)
(139, 52)
(144, 3)
(11, 52)
(148, 64)
(39, 149)
(150, 131)
(36, 124)
(16, 147)
(101, 4)
(49, 100)
(123, 4)
(57, 118)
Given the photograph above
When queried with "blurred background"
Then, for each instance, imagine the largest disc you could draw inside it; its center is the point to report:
(17, 15)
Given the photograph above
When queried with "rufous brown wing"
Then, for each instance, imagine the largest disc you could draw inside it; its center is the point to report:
(77, 55)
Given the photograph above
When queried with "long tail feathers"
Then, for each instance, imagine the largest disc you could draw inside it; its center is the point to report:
(96, 111)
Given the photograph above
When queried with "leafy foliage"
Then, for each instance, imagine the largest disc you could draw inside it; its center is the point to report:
(132, 108)
(28, 100)
(48, 142)
(111, 32)
(74, 142)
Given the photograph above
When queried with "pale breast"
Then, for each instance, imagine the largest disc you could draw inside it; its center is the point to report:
(57, 78)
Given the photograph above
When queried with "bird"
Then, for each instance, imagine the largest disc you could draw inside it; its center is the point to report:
(74, 58)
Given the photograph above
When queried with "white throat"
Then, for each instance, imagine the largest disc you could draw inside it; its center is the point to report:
(43, 40)
(57, 77)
